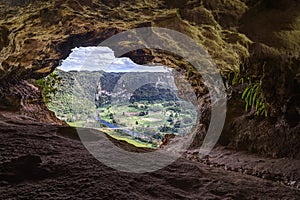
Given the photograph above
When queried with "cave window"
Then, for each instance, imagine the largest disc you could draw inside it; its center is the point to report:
(133, 102)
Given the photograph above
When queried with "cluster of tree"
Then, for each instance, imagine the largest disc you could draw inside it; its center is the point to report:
(170, 129)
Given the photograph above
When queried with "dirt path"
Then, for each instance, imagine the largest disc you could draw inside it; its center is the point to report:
(36, 163)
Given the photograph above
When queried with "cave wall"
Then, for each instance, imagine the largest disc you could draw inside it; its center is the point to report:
(24, 101)
(36, 35)
(257, 37)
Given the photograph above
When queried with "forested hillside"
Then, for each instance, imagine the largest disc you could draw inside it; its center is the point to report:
(75, 96)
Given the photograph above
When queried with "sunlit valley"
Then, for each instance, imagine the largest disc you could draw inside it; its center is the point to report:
(138, 104)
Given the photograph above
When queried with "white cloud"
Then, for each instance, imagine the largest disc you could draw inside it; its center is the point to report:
(102, 58)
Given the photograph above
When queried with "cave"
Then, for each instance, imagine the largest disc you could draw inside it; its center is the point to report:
(254, 46)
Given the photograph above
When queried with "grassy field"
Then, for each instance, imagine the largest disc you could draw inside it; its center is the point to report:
(151, 118)
(150, 121)
(127, 139)
(127, 116)
(77, 123)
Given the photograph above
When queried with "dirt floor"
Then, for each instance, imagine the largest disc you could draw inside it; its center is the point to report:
(40, 161)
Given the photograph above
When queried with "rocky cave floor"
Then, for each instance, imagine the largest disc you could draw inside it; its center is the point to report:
(42, 161)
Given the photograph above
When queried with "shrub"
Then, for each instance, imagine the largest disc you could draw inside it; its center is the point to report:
(254, 97)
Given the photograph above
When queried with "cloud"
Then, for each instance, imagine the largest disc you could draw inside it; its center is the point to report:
(88, 58)
(102, 58)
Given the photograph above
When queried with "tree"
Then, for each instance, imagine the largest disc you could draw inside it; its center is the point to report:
(48, 85)
(170, 119)
(142, 113)
(177, 124)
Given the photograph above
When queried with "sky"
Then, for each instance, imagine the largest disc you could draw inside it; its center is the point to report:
(102, 58)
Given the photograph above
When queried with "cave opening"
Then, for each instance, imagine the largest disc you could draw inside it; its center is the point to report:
(140, 104)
